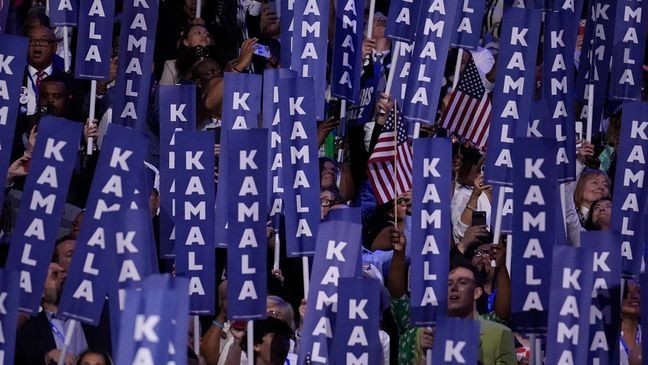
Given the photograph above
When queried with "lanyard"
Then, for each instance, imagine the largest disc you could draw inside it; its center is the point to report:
(57, 332)
(637, 340)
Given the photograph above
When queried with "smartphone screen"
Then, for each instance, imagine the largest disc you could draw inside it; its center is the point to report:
(262, 50)
(478, 218)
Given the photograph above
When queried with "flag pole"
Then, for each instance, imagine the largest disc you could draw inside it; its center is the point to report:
(341, 134)
(590, 111)
(395, 167)
(66, 342)
(497, 230)
(198, 8)
(455, 79)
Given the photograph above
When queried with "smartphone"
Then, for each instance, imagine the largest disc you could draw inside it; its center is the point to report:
(333, 109)
(262, 50)
(478, 218)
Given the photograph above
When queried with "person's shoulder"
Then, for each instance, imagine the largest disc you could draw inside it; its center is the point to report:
(492, 326)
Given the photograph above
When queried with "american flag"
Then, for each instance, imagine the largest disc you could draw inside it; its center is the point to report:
(392, 145)
(469, 111)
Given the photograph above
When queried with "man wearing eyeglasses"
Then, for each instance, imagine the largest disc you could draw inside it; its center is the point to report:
(40, 64)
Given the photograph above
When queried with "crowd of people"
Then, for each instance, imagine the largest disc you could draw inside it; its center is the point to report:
(199, 51)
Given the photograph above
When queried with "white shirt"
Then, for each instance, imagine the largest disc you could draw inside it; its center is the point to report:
(32, 92)
(459, 201)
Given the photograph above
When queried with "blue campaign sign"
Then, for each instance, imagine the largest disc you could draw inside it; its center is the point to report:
(64, 12)
(287, 28)
(356, 333)
(534, 230)
(456, 341)
(133, 83)
(569, 305)
(94, 44)
(300, 165)
(604, 325)
(13, 51)
(403, 19)
(113, 188)
(558, 89)
(628, 49)
(9, 294)
(130, 246)
(247, 204)
(43, 201)
(399, 86)
(347, 50)
(310, 47)
(241, 108)
(469, 24)
(338, 253)
(154, 325)
(629, 188)
(431, 229)
(271, 121)
(435, 29)
(194, 246)
(513, 91)
(177, 113)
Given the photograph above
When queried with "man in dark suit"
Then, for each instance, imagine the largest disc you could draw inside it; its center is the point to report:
(41, 338)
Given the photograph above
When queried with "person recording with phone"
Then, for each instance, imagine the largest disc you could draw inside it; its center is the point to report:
(471, 194)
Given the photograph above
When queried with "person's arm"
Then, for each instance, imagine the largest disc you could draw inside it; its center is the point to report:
(397, 278)
(471, 204)
(384, 240)
(347, 187)
(234, 354)
(502, 304)
(210, 344)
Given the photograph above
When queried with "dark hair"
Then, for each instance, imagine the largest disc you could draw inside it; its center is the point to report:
(589, 222)
(62, 77)
(479, 278)
(102, 353)
(337, 196)
(191, 56)
(266, 326)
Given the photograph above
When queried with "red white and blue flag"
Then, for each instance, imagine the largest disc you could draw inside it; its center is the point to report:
(390, 163)
(469, 111)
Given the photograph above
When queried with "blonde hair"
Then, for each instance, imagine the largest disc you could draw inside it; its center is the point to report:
(285, 310)
(586, 176)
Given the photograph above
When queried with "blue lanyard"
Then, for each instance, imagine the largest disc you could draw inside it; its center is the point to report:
(57, 332)
(637, 340)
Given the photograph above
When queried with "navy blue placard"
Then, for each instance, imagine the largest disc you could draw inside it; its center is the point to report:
(130, 246)
(310, 46)
(43, 200)
(247, 250)
(569, 305)
(604, 324)
(155, 323)
(513, 91)
(13, 51)
(271, 121)
(4, 12)
(94, 44)
(457, 341)
(300, 165)
(241, 108)
(628, 49)
(629, 186)
(399, 86)
(558, 89)
(64, 12)
(403, 19)
(431, 228)
(534, 230)
(469, 24)
(195, 196)
(356, 333)
(347, 50)
(113, 188)
(507, 210)
(286, 34)
(338, 256)
(9, 294)
(177, 113)
(436, 27)
(133, 83)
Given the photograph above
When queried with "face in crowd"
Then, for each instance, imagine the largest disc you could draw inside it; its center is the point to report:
(463, 291)
(42, 47)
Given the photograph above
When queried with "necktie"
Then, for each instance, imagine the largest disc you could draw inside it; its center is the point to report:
(40, 75)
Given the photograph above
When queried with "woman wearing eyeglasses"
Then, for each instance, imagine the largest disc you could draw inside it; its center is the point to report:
(329, 198)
